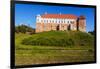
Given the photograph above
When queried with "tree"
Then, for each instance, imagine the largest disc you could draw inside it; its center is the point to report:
(23, 29)
(92, 32)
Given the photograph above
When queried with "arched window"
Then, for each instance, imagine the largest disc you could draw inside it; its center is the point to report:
(59, 21)
(56, 21)
(52, 21)
(68, 22)
(57, 28)
(62, 21)
(71, 21)
(44, 21)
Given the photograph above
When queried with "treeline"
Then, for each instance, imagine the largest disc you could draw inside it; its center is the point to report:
(92, 32)
(24, 29)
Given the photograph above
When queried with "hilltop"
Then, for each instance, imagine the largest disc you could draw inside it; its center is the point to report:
(60, 38)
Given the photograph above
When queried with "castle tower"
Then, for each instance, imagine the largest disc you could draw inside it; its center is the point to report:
(81, 23)
(39, 24)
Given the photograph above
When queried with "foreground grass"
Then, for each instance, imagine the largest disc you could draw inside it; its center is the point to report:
(28, 54)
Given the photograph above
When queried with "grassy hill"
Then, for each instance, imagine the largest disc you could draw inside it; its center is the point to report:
(60, 38)
(53, 47)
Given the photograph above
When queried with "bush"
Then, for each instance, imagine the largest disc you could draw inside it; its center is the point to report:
(90, 50)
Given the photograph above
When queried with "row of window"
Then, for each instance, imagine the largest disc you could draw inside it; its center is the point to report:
(53, 21)
(55, 27)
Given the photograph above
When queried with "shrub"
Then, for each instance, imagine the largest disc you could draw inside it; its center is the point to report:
(90, 50)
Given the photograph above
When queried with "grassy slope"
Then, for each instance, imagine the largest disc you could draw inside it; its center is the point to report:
(60, 38)
(28, 54)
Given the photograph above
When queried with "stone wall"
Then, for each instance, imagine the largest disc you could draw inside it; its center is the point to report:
(74, 26)
(81, 25)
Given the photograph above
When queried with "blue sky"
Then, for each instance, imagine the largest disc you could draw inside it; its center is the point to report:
(26, 13)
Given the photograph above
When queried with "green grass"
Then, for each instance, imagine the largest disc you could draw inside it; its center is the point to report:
(60, 38)
(35, 54)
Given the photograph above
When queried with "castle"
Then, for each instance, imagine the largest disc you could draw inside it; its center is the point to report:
(48, 22)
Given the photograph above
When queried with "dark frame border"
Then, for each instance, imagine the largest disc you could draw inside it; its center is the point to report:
(12, 35)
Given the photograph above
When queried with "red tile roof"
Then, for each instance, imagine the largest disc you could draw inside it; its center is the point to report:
(63, 16)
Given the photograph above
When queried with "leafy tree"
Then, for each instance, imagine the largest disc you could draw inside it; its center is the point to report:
(24, 28)
(92, 32)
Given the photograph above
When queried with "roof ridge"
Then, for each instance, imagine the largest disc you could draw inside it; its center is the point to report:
(69, 16)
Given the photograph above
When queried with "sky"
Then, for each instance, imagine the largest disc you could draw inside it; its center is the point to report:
(26, 13)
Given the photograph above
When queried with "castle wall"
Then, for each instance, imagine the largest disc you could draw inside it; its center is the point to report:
(54, 26)
(39, 27)
(47, 27)
(48, 24)
(82, 26)
(74, 26)
(63, 26)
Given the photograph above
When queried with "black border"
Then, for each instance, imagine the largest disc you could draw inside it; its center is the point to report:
(12, 35)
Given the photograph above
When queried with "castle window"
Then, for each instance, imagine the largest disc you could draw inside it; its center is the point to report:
(56, 21)
(50, 21)
(68, 21)
(59, 21)
(71, 22)
(44, 21)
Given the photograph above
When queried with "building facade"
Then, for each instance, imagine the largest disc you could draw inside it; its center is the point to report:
(48, 22)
